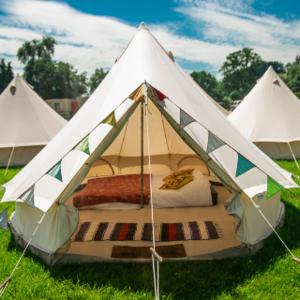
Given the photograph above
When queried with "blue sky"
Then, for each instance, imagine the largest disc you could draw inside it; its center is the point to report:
(200, 33)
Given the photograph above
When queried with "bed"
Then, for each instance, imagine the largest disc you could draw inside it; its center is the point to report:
(124, 192)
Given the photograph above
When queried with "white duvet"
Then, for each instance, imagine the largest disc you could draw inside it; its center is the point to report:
(195, 193)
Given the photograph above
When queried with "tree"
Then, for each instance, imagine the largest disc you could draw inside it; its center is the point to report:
(68, 82)
(209, 83)
(50, 79)
(96, 78)
(36, 49)
(293, 76)
(6, 74)
(240, 72)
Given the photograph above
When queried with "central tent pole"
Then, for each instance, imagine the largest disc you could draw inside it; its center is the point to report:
(142, 152)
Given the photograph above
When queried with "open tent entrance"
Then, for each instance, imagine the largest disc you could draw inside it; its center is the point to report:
(114, 197)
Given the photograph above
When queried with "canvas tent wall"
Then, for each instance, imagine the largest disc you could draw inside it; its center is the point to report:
(27, 123)
(143, 74)
(269, 116)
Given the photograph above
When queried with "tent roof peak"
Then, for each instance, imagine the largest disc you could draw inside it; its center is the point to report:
(142, 26)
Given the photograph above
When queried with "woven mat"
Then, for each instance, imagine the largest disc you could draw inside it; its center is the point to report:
(194, 230)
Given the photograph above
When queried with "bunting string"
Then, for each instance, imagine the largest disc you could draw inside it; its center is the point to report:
(243, 165)
(215, 142)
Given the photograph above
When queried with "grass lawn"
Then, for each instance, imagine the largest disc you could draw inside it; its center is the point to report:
(270, 274)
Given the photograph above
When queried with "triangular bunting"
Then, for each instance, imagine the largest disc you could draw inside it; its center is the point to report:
(3, 219)
(243, 165)
(155, 94)
(213, 142)
(160, 95)
(56, 171)
(185, 119)
(111, 120)
(28, 196)
(138, 94)
(273, 187)
(84, 146)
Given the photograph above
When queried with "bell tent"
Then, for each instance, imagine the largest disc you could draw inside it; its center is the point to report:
(105, 188)
(27, 123)
(269, 116)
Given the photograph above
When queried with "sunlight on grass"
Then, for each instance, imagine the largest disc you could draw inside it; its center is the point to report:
(270, 274)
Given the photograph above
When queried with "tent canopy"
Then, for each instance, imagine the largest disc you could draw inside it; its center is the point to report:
(270, 112)
(25, 118)
(144, 63)
(146, 88)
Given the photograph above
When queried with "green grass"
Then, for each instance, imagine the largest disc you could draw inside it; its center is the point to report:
(270, 274)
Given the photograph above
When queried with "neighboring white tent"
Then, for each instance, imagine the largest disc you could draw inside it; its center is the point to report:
(269, 116)
(146, 89)
(27, 123)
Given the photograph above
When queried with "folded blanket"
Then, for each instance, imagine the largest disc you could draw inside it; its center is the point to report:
(177, 179)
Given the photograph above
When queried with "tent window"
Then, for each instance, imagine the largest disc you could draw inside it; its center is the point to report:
(13, 90)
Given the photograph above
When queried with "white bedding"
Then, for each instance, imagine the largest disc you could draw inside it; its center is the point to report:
(195, 193)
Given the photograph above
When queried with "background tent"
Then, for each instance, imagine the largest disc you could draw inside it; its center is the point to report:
(146, 116)
(269, 116)
(27, 123)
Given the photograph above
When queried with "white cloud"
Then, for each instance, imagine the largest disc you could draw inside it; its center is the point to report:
(237, 24)
(89, 41)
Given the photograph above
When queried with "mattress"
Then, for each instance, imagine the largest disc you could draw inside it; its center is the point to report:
(123, 192)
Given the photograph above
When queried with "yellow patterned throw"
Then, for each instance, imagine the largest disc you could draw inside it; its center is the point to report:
(177, 179)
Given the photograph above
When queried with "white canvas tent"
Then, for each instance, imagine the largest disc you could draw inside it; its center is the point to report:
(27, 123)
(269, 116)
(147, 116)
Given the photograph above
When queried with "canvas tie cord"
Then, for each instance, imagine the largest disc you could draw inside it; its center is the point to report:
(294, 257)
(156, 258)
(6, 282)
(9, 160)
(293, 154)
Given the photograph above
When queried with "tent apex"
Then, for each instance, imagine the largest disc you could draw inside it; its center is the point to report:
(142, 26)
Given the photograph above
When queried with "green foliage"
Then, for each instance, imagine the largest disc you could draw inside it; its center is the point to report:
(36, 49)
(209, 83)
(96, 78)
(270, 274)
(51, 79)
(6, 74)
(293, 75)
(240, 72)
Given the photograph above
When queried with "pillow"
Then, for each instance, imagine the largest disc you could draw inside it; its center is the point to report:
(177, 179)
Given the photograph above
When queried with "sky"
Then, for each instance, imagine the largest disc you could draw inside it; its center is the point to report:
(200, 33)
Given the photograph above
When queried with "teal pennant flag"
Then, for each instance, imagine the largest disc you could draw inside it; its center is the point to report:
(243, 165)
(56, 171)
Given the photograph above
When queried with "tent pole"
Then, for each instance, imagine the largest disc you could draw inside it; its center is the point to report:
(9, 160)
(294, 157)
(142, 152)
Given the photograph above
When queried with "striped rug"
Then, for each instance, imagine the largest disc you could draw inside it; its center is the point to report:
(107, 231)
